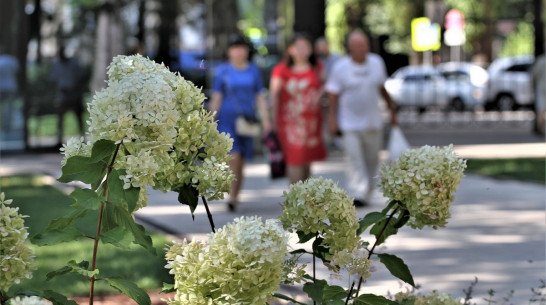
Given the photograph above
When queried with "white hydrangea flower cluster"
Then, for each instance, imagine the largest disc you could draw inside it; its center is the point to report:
(433, 298)
(169, 139)
(320, 205)
(355, 262)
(75, 147)
(32, 300)
(242, 263)
(16, 258)
(424, 180)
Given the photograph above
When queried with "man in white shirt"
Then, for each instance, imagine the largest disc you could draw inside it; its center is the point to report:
(355, 87)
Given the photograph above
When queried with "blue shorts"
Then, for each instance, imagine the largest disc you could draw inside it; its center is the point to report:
(241, 144)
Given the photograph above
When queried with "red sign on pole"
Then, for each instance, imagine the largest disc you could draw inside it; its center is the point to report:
(454, 20)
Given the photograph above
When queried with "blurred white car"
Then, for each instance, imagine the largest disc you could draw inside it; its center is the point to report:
(510, 84)
(466, 85)
(417, 87)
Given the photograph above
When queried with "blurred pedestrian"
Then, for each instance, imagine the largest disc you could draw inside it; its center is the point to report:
(238, 91)
(9, 67)
(322, 51)
(296, 88)
(539, 84)
(355, 88)
(69, 77)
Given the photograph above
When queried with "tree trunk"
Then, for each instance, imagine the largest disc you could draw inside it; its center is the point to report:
(109, 40)
(167, 30)
(539, 27)
(309, 17)
(222, 17)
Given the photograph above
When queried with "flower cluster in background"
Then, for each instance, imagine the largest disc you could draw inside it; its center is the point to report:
(33, 300)
(242, 263)
(169, 140)
(320, 206)
(433, 298)
(16, 258)
(424, 180)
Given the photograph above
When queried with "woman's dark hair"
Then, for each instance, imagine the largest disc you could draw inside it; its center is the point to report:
(241, 40)
(312, 57)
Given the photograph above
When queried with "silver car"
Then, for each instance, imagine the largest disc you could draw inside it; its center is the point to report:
(510, 85)
(418, 87)
(466, 85)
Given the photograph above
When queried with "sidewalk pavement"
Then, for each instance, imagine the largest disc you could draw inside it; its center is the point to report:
(496, 232)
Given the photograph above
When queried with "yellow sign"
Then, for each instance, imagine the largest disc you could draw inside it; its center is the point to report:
(425, 36)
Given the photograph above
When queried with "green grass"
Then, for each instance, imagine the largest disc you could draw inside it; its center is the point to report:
(46, 125)
(43, 203)
(529, 169)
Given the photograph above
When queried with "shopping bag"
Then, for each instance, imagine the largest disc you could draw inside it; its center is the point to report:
(247, 126)
(277, 164)
(397, 143)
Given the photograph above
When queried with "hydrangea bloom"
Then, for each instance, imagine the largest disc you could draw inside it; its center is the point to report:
(33, 300)
(169, 140)
(16, 258)
(433, 298)
(353, 261)
(424, 180)
(242, 263)
(320, 206)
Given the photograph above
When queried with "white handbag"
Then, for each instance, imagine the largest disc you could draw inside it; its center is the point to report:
(247, 127)
(397, 143)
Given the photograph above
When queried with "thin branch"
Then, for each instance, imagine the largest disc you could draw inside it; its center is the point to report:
(375, 244)
(314, 267)
(209, 214)
(99, 223)
(2, 300)
(350, 292)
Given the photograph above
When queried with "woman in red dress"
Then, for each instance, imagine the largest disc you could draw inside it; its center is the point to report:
(296, 88)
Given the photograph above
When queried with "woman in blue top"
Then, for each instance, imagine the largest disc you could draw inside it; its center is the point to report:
(238, 90)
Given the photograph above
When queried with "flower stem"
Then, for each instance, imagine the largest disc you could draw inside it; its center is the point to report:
(349, 295)
(314, 267)
(99, 222)
(375, 244)
(209, 214)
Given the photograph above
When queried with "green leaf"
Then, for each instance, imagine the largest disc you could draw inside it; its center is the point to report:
(287, 298)
(57, 298)
(303, 238)
(190, 196)
(298, 251)
(397, 267)
(61, 271)
(402, 219)
(131, 290)
(372, 299)
(66, 221)
(368, 220)
(380, 234)
(334, 295)
(102, 151)
(118, 237)
(85, 199)
(314, 291)
(168, 288)
(81, 268)
(89, 170)
(58, 236)
(115, 216)
(320, 250)
(117, 194)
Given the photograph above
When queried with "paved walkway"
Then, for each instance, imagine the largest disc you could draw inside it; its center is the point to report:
(496, 232)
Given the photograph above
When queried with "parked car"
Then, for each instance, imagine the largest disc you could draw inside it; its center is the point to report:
(510, 85)
(418, 87)
(466, 85)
